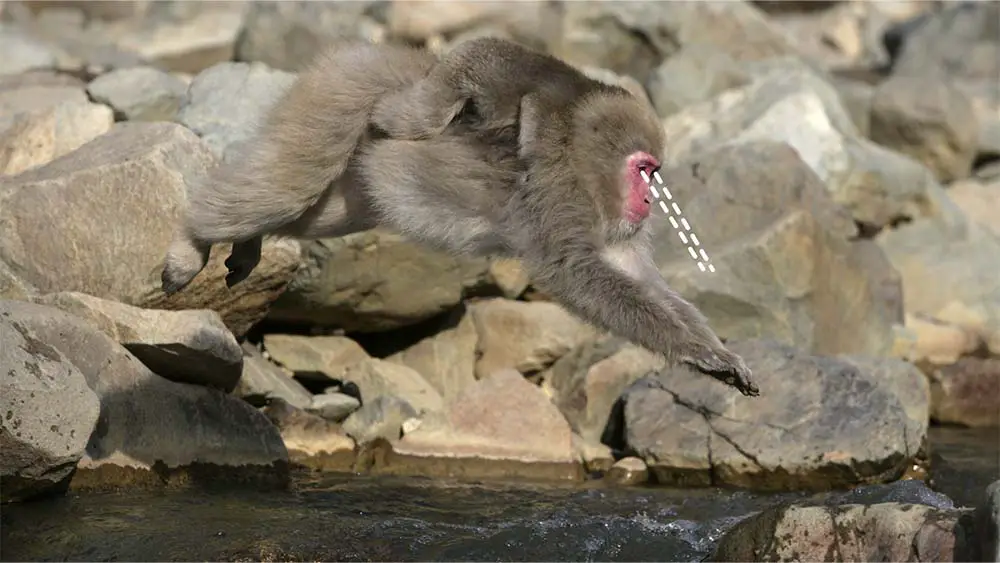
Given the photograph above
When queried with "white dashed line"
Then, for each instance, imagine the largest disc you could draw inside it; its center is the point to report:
(689, 239)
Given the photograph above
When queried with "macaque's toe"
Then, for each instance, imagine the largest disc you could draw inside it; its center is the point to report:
(175, 278)
(242, 260)
(727, 368)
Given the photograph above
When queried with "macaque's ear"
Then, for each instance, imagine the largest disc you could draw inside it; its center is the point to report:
(528, 127)
(421, 111)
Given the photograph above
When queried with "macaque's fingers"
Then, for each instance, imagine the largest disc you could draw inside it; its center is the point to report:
(419, 112)
(185, 258)
(725, 366)
(242, 260)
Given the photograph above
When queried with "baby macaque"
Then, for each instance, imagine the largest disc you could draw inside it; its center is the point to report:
(495, 150)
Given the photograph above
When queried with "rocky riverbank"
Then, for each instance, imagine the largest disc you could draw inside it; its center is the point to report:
(840, 160)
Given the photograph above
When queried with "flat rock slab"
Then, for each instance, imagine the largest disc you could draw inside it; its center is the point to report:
(819, 423)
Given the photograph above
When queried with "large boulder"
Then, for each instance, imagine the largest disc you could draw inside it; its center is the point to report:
(446, 359)
(118, 201)
(49, 414)
(820, 422)
(141, 93)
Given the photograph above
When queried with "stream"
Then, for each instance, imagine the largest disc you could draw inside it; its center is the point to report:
(343, 517)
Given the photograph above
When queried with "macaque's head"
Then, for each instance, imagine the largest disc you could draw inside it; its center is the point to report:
(618, 138)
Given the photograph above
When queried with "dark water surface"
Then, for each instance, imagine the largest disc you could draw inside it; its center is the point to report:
(337, 517)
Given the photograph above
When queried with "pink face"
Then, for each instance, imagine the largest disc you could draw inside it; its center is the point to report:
(638, 199)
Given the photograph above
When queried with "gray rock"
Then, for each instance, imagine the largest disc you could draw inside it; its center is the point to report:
(333, 406)
(321, 360)
(375, 378)
(696, 74)
(831, 425)
(966, 392)
(152, 430)
(225, 103)
(446, 360)
(139, 93)
(191, 346)
(48, 411)
(263, 382)
(988, 523)
(382, 417)
(20, 52)
(959, 42)
(118, 199)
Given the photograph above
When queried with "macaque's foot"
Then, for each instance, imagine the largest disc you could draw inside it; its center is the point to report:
(242, 260)
(184, 260)
(725, 366)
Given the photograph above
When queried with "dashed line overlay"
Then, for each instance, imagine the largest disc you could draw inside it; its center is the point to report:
(678, 221)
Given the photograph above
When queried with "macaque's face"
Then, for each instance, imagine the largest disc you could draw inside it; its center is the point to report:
(637, 199)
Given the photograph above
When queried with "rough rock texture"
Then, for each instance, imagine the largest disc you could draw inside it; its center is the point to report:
(851, 532)
(319, 359)
(833, 422)
(446, 360)
(373, 281)
(382, 417)
(47, 413)
(39, 123)
(262, 382)
(132, 180)
(152, 430)
(375, 378)
(785, 266)
(225, 103)
(191, 346)
(966, 392)
(139, 93)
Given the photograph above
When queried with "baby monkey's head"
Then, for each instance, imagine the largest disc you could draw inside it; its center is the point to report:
(618, 143)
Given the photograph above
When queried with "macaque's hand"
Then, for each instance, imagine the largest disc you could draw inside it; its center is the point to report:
(725, 366)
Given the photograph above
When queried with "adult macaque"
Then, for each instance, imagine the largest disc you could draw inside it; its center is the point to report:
(495, 150)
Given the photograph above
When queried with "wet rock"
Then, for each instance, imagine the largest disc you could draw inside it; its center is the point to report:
(48, 414)
(524, 336)
(966, 392)
(835, 422)
(585, 383)
(184, 346)
(850, 532)
(988, 523)
(504, 422)
(695, 74)
(596, 457)
(785, 266)
(374, 281)
(152, 431)
(132, 178)
(41, 123)
(333, 406)
(314, 359)
(633, 38)
(311, 440)
(446, 360)
(628, 472)
(139, 93)
(375, 378)
(877, 185)
(288, 35)
(224, 104)
(262, 382)
(929, 120)
(382, 417)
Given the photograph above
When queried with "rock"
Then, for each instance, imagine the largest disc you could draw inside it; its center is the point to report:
(850, 532)
(966, 392)
(139, 93)
(41, 123)
(835, 422)
(501, 426)
(311, 440)
(856, 97)
(225, 103)
(958, 42)
(333, 406)
(596, 457)
(152, 431)
(374, 281)
(382, 417)
(833, 38)
(929, 120)
(695, 74)
(938, 343)
(877, 185)
(509, 276)
(185, 346)
(785, 266)
(314, 359)
(980, 202)
(524, 336)
(585, 383)
(949, 274)
(263, 382)
(20, 52)
(988, 523)
(375, 378)
(39, 78)
(132, 178)
(628, 472)
(289, 35)
(446, 360)
(633, 38)
(49, 414)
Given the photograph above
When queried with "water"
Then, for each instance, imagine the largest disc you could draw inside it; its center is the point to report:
(337, 517)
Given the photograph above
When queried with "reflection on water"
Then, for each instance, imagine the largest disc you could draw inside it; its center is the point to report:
(360, 518)
(964, 461)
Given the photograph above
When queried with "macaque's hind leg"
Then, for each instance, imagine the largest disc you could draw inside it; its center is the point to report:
(185, 258)
(243, 258)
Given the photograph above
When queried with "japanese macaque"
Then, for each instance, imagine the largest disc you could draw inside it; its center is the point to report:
(494, 150)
